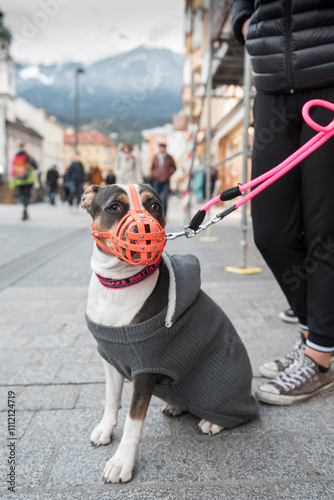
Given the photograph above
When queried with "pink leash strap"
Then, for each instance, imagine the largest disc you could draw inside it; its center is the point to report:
(264, 180)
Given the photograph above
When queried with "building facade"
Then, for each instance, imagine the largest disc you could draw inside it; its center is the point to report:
(93, 147)
(51, 131)
(213, 92)
(176, 142)
(13, 131)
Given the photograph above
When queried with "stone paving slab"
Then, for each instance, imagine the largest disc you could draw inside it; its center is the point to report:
(307, 490)
(266, 456)
(230, 493)
(49, 359)
(34, 459)
(48, 397)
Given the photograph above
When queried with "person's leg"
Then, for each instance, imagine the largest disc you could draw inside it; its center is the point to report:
(276, 211)
(26, 191)
(71, 190)
(156, 186)
(20, 191)
(310, 373)
(52, 194)
(317, 175)
(79, 192)
(164, 192)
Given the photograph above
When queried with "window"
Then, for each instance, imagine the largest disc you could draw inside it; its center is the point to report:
(198, 29)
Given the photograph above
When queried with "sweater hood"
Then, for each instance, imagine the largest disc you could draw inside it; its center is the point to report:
(184, 284)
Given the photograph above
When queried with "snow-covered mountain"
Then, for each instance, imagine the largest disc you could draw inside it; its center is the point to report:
(127, 92)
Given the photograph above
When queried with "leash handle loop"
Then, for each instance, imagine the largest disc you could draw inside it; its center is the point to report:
(306, 115)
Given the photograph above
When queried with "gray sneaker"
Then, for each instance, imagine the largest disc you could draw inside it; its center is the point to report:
(274, 369)
(302, 380)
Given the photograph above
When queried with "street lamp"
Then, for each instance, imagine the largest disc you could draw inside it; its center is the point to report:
(76, 111)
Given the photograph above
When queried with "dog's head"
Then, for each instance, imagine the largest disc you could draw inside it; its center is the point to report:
(128, 221)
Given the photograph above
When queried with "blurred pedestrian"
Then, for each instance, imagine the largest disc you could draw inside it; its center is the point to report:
(111, 178)
(291, 48)
(22, 176)
(127, 169)
(95, 175)
(75, 177)
(163, 167)
(52, 177)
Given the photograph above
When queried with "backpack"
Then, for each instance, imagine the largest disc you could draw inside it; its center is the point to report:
(21, 166)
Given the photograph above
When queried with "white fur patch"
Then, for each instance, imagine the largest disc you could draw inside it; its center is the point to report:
(127, 190)
(209, 428)
(118, 307)
(119, 468)
(102, 433)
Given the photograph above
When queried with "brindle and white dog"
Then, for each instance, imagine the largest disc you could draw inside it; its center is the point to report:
(119, 307)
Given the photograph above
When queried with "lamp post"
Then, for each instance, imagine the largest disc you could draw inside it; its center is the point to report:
(76, 110)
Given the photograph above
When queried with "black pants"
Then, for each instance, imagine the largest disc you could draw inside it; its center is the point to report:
(24, 192)
(52, 194)
(293, 219)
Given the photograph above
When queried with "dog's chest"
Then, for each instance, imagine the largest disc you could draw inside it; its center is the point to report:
(117, 307)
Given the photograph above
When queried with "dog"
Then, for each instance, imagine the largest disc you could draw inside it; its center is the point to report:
(156, 327)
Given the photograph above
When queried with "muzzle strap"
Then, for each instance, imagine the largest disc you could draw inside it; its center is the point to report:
(137, 239)
(134, 197)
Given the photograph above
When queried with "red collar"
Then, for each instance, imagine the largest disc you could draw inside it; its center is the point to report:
(132, 280)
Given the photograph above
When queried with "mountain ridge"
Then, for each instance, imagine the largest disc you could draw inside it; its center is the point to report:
(124, 93)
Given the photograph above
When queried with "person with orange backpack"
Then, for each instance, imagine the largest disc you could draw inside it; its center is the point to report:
(22, 176)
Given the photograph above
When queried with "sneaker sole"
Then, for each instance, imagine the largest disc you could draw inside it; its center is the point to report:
(287, 319)
(276, 399)
(265, 372)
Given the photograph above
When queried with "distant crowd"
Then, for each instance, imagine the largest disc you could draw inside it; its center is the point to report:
(71, 185)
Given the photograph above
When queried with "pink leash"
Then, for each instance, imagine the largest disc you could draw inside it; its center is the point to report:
(275, 173)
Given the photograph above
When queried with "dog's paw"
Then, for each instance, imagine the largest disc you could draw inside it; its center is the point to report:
(207, 427)
(102, 433)
(171, 411)
(119, 468)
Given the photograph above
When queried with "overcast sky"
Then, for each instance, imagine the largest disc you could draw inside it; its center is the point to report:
(87, 30)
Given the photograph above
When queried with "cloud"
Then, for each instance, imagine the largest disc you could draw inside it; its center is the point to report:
(59, 30)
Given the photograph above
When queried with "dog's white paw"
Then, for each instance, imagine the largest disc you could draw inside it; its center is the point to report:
(209, 428)
(171, 411)
(102, 433)
(119, 468)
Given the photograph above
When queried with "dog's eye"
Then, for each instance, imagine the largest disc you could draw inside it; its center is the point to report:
(115, 207)
(155, 206)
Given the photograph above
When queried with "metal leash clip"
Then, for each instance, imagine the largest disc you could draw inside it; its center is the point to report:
(173, 236)
(188, 232)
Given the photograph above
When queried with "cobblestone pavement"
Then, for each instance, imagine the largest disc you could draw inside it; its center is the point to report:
(49, 360)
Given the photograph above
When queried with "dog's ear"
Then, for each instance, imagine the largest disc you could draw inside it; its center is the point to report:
(88, 196)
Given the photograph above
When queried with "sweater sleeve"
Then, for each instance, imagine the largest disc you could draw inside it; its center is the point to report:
(241, 11)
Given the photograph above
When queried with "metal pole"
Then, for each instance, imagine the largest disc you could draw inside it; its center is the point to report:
(247, 81)
(76, 109)
(208, 100)
(190, 122)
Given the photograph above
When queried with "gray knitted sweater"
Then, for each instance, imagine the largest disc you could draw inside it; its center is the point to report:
(193, 342)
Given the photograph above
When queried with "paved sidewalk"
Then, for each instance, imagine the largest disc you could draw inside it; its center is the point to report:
(49, 360)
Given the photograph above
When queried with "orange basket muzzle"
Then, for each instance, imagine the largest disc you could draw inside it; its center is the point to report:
(138, 238)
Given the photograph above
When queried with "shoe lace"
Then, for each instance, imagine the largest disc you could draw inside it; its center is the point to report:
(295, 374)
(294, 352)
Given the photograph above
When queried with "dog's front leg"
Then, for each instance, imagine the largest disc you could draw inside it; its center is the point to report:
(119, 468)
(114, 385)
